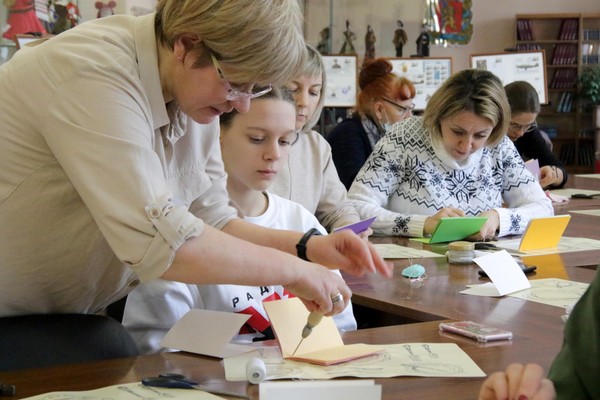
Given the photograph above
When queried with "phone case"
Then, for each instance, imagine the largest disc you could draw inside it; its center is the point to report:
(473, 330)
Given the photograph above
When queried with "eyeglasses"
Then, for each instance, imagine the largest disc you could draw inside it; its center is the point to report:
(403, 109)
(234, 92)
(525, 128)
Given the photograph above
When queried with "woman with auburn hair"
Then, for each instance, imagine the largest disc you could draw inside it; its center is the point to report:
(456, 160)
(383, 100)
(310, 177)
(104, 191)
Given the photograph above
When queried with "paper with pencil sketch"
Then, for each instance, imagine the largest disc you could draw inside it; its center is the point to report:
(399, 359)
(390, 250)
(324, 346)
(128, 391)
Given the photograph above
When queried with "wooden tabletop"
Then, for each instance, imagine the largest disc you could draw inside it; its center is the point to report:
(537, 328)
(391, 301)
(209, 371)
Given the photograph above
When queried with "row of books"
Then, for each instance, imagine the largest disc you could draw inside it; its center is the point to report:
(587, 133)
(590, 53)
(528, 47)
(568, 153)
(550, 130)
(590, 59)
(564, 78)
(564, 54)
(568, 29)
(586, 154)
(524, 30)
(565, 102)
(591, 34)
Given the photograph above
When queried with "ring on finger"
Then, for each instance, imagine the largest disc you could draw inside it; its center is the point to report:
(337, 297)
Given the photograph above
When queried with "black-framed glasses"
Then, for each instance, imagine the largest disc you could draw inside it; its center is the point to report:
(403, 109)
(525, 128)
(234, 92)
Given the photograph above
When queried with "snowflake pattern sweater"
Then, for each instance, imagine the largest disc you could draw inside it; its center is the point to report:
(409, 177)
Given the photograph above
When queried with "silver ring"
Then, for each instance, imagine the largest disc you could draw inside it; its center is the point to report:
(337, 297)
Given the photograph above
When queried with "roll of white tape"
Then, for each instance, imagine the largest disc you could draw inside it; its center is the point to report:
(256, 371)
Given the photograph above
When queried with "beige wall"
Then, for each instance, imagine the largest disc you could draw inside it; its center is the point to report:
(493, 23)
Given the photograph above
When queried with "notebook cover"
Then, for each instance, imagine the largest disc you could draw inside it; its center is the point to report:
(544, 233)
(450, 229)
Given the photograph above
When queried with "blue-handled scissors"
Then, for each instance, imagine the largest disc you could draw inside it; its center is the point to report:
(178, 381)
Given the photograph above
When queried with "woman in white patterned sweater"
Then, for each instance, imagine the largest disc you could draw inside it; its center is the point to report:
(455, 160)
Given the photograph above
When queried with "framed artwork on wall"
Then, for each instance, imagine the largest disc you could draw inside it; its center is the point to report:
(427, 74)
(342, 87)
(527, 66)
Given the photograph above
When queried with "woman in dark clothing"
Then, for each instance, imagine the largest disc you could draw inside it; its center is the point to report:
(528, 139)
(383, 100)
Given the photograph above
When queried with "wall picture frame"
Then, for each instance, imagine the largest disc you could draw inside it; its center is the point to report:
(342, 80)
(529, 66)
(427, 74)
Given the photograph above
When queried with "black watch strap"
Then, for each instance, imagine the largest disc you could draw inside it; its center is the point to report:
(301, 246)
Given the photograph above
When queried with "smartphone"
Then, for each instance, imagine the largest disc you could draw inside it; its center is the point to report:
(527, 269)
(474, 330)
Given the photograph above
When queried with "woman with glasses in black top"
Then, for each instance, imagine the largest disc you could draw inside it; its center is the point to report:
(528, 139)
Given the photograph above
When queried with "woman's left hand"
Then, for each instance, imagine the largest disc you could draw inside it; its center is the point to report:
(489, 229)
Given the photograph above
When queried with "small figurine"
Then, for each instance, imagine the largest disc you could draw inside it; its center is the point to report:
(105, 9)
(67, 15)
(423, 43)
(323, 46)
(349, 37)
(369, 44)
(400, 38)
(21, 19)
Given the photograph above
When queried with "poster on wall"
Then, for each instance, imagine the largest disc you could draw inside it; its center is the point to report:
(427, 74)
(342, 85)
(520, 66)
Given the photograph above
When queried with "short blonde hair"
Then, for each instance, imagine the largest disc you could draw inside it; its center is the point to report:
(262, 38)
(314, 67)
(474, 90)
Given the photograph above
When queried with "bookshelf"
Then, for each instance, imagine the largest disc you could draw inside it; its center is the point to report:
(571, 42)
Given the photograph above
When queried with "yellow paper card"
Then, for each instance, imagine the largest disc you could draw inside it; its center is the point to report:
(544, 233)
(324, 345)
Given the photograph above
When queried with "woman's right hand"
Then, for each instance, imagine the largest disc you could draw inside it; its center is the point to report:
(431, 222)
(518, 381)
(316, 285)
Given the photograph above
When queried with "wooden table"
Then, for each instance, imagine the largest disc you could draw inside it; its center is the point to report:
(381, 302)
(209, 371)
(537, 328)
